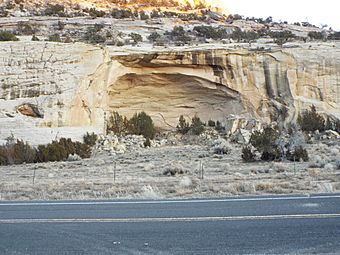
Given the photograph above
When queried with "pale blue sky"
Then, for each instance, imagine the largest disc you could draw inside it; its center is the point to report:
(315, 12)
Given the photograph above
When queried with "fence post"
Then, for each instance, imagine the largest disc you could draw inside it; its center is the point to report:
(114, 171)
(33, 176)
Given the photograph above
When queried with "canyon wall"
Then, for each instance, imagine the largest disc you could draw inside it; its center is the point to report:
(78, 85)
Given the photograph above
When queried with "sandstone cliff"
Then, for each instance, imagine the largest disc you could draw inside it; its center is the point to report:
(77, 85)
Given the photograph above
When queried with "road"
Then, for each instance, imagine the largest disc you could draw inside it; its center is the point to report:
(250, 225)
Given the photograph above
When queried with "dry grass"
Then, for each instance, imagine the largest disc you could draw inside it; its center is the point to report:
(139, 174)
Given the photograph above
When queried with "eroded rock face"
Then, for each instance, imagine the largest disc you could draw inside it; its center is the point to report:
(78, 85)
(30, 110)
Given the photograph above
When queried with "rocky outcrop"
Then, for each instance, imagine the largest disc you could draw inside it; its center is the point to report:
(29, 110)
(78, 85)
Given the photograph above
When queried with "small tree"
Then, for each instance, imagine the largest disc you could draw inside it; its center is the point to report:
(197, 126)
(282, 37)
(311, 121)
(154, 36)
(136, 37)
(54, 38)
(90, 139)
(7, 36)
(247, 154)
(183, 126)
(299, 153)
(266, 143)
(142, 124)
(118, 124)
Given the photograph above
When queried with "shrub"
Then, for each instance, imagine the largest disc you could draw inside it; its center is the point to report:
(120, 44)
(154, 36)
(17, 152)
(35, 38)
(211, 32)
(136, 37)
(93, 36)
(211, 123)
(311, 121)
(247, 154)
(118, 124)
(219, 126)
(25, 28)
(55, 10)
(337, 164)
(299, 153)
(142, 124)
(139, 124)
(282, 37)
(197, 126)
(315, 35)
(179, 34)
(95, 13)
(90, 139)
(183, 126)
(240, 35)
(54, 38)
(60, 150)
(221, 147)
(144, 16)
(334, 36)
(265, 143)
(60, 25)
(121, 13)
(7, 36)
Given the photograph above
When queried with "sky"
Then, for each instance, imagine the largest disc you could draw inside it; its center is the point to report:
(314, 11)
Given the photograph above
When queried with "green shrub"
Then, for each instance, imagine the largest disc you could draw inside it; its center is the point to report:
(136, 37)
(183, 126)
(90, 139)
(118, 124)
(334, 36)
(299, 153)
(210, 32)
(54, 38)
(120, 44)
(154, 36)
(282, 37)
(94, 13)
(60, 25)
(93, 36)
(247, 154)
(211, 123)
(179, 34)
(240, 35)
(60, 150)
(142, 124)
(315, 35)
(219, 127)
(25, 28)
(266, 143)
(7, 36)
(197, 126)
(121, 13)
(55, 10)
(310, 120)
(17, 152)
(139, 124)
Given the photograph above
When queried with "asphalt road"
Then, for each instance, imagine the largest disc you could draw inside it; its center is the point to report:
(253, 225)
